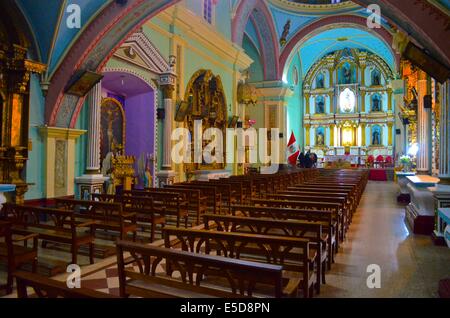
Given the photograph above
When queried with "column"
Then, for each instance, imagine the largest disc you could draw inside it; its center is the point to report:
(307, 135)
(332, 135)
(389, 91)
(441, 192)
(444, 145)
(167, 82)
(307, 103)
(389, 125)
(363, 135)
(423, 126)
(92, 181)
(93, 151)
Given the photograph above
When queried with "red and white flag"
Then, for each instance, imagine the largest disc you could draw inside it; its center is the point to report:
(292, 150)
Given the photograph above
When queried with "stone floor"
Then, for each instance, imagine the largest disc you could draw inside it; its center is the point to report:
(411, 266)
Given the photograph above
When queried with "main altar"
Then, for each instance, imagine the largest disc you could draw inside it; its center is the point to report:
(349, 113)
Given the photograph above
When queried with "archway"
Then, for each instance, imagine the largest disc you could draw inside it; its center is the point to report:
(92, 50)
(138, 98)
(259, 15)
(329, 23)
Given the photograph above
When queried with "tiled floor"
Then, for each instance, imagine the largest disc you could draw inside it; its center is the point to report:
(411, 265)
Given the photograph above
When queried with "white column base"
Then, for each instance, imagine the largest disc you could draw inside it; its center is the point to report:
(165, 177)
(89, 183)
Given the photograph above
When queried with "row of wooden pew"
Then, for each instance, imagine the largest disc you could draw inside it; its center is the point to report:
(289, 224)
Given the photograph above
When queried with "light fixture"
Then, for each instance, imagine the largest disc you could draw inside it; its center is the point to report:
(413, 150)
(246, 93)
(122, 79)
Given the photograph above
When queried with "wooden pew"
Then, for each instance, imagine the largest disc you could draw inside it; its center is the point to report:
(61, 226)
(291, 228)
(319, 198)
(173, 203)
(294, 254)
(141, 207)
(336, 208)
(240, 276)
(325, 218)
(196, 201)
(108, 216)
(224, 189)
(14, 256)
(213, 196)
(49, 288)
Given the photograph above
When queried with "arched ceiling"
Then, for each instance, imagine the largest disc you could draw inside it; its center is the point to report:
(329, 40)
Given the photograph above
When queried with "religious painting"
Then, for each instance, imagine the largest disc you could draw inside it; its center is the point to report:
(320, 136)
(320, 81)
(347, 74)
(376, 103)
(320, 105)
(376, 135)
(112, 122)
(376, 77)
(347, 101)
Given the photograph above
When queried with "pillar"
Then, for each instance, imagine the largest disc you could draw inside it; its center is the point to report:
(332, 135)
(307, 135)
(390, 125)
(307, 103)
(167, 83)
(423, 126)
(363, 135)
(92, 181)
(389, 99)
(441, 192)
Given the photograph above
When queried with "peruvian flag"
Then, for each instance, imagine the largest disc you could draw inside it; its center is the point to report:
(292, 150)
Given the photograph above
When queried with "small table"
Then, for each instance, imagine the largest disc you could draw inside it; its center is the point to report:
(443, 225)
(3, 189)
(402, 181)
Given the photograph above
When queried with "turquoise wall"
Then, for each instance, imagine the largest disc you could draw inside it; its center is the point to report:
(35, 164)
(295, 103)
(256, 69)
(81, 142)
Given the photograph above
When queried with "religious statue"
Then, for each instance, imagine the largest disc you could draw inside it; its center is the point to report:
(320, 106)
(320, 81)
(285, 33)
(376, 104)
(144, 170)
(320, 139)
(347, 74)
(376, 78)
(376, 137)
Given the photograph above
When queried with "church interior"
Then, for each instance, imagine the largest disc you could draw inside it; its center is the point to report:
(225, 149)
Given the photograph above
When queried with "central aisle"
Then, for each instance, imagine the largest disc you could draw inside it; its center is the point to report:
(411, 265)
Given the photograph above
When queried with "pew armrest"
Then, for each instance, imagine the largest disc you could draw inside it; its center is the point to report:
(292, 287)
(86, 224)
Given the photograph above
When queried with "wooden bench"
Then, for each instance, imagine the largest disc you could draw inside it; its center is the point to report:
(14, 256)
(53, 225)
(319, 198)
(291, 228)
(336, 208)
(213, 196)
(325, 218)
(109, 216)
(142, 207)
(196, 201)
(240, 277)
(173, 203)
(44, 287)
(294, 254)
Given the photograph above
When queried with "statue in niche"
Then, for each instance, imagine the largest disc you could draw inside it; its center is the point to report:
(320, 138)
(376, 136)
(320, 108)
(376, 80)
(320, 81)
(347, 74)
(376, 104)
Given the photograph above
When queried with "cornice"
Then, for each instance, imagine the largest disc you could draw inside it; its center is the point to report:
(61, 133)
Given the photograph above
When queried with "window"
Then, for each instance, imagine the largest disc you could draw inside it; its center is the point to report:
(208, 10)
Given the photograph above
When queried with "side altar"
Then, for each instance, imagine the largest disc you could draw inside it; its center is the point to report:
(420, 213)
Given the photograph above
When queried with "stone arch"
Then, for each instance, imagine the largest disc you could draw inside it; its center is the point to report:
(148, 80)
(258, 13)
(344, 20)
(92, 50)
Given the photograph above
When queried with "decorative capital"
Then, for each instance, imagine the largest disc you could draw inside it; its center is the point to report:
(167, 83)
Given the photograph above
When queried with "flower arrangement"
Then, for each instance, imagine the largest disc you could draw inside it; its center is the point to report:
(405, 160)
(370, 159)
(380, 158)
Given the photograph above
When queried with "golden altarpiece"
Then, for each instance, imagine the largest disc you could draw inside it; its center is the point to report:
(204, 101)
(15, 72)
(349, 106)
